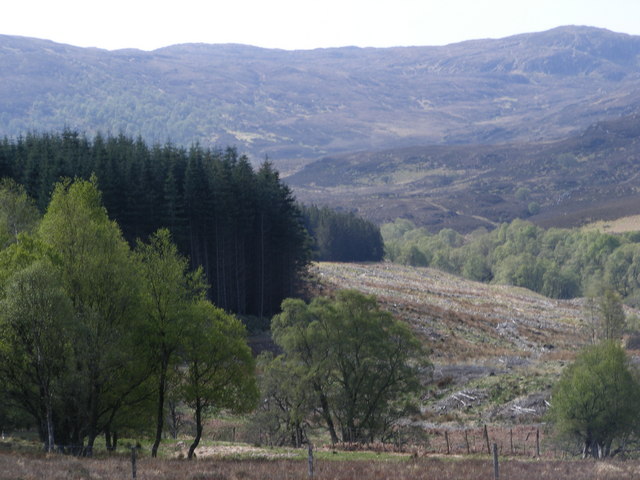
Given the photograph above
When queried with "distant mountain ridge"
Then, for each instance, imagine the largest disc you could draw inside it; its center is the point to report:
(295, 105)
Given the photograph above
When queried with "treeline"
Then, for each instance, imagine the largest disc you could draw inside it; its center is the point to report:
(96, 337)
(558, 263)
(241, 225)
(342, 236)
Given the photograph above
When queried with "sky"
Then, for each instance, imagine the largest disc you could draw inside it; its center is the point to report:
(302, 24)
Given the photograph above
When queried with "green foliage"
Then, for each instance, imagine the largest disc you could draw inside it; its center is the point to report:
(288, 398)
(89, 330)
(595, 400)
(534, 208)
(168, 291)
(34, 341)
(522, 194)
(557, 263)
(98, 274)
(360, 363)
(167, 297)
(18, 213)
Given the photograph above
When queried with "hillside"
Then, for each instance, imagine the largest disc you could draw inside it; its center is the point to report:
(503, 346)
(301, 105)
(589, 176)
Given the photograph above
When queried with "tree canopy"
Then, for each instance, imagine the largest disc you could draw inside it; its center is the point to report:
(220, 366)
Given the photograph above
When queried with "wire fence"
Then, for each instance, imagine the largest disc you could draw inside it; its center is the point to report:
(525, 440)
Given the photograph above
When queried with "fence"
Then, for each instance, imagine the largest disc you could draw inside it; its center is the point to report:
(510, 441)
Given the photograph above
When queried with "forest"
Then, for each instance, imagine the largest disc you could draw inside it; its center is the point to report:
(342, 236)
(241, 225)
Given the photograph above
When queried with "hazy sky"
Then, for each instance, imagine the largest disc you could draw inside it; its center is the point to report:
(302, 24)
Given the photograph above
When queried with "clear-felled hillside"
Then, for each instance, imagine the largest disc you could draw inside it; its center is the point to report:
(497, 350)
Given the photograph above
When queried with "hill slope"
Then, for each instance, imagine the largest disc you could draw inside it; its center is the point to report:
(589, 176)
(305, 104)
(462, 320)
(496, 349)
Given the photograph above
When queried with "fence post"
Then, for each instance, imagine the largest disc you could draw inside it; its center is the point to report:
(133, 462)
(486, 437)
(496, 468)
(511, 439)
(538, 442)
(466, 439)
(310, 460)
(446, 438)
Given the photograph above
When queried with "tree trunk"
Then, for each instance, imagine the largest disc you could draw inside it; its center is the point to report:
(93, 417)
(262, 268)
(162, 384)
(196, 440)
(174, 418)
(110, 439)
(88, 450)
(50, 436)
(326, 413)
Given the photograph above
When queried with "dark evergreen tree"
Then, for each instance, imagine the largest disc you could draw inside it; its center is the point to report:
(343, 237)
(241, 226)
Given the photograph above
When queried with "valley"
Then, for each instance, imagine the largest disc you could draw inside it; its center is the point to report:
(540, 125)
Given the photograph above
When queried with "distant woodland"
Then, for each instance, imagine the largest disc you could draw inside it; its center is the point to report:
(558, 263)
(342, 236)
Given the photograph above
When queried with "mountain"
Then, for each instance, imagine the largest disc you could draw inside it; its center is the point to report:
(590, 176)
(302, 105)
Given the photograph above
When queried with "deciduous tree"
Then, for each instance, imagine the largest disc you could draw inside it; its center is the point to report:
(359, 361)
(220, 367)
(595, 400)
(98, 274)
(34, 339)
(168, 292)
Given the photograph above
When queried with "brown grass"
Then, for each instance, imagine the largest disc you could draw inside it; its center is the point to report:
(32, 467)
